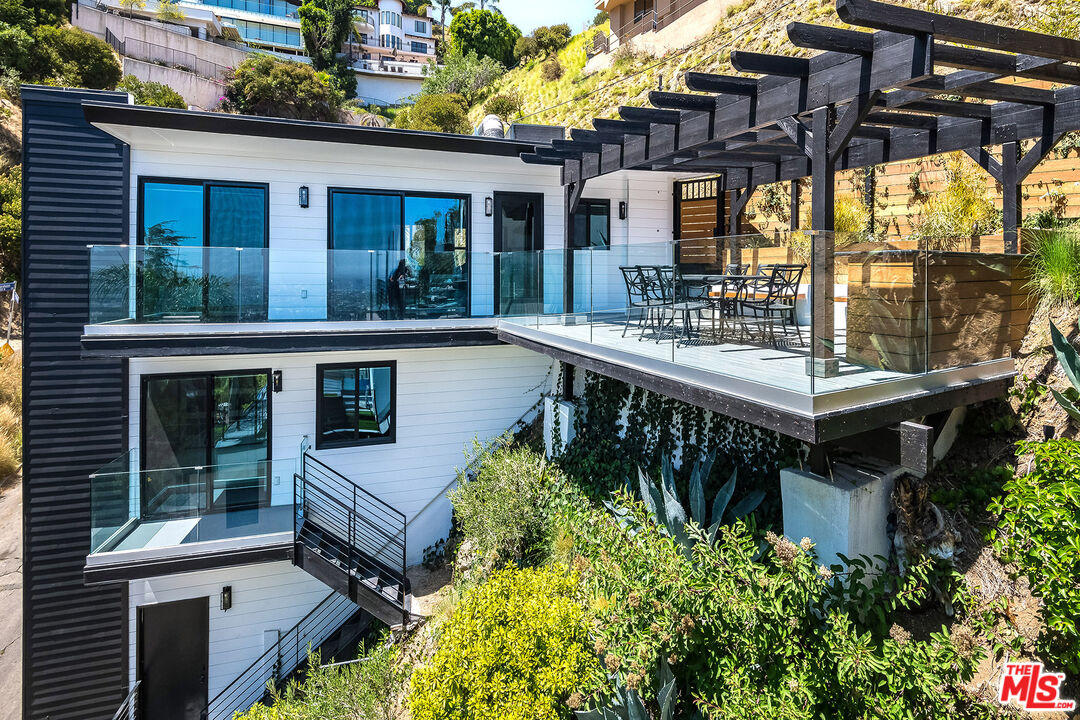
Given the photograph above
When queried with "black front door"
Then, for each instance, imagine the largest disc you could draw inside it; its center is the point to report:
(519, 238)
(173, 659)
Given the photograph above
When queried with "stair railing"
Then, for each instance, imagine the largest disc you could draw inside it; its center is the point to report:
(129, 709)
(373, 531)
(280, 660)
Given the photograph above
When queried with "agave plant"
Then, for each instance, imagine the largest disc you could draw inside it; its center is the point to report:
(664, 505)
(1070, 364)
(628, 705)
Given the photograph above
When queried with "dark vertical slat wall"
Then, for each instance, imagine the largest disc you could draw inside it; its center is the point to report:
(75, 192)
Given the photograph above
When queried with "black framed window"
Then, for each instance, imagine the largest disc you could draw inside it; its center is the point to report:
(204, 250)
(642, 8)
(205, 442)
(355, 404)
(592, 225)
(397, 254)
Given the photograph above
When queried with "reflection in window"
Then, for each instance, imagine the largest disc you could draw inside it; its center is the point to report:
(419, 267)
(205, 443)
(204, 251)
(355, 404)
(592, 225)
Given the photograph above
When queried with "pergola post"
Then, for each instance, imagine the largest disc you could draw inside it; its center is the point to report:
(573, 198)
(796, 197)
(822, 361)
(1011, 202)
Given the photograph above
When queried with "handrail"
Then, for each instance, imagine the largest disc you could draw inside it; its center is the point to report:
(279, 661)
(332, 471)
(130, 707)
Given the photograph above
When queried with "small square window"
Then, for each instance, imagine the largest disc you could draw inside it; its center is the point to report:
(355, 404)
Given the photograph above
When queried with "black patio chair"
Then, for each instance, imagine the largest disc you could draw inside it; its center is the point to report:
(638, 299)
(776, 298)
(682, 300)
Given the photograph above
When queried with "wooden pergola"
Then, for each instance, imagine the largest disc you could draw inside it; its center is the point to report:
(869, 98)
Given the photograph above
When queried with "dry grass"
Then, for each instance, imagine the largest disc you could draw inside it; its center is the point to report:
(10, 418)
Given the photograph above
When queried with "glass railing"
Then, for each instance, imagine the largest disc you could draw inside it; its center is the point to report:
(149, 284)
(744, 306)
(134, 509)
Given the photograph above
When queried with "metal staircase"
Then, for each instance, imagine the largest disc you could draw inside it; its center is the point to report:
(350, 540)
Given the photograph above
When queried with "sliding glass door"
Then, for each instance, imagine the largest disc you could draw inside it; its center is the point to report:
(519, 240)
(205, 443)
(202, 253)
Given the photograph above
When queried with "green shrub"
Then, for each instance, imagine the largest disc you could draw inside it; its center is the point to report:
(11, 224)
(447, 113)
(264, 85)
(551, 39)
(499, 508)
(75, 58)
(551, 70)
(756, 631)
(360, 690)
(526, 48)
(1039, 531)
(152, 93)
(506, 106)
(1054, 259)
(515, 648)
(962, 210)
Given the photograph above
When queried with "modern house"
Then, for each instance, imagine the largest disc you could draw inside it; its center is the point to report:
(193, 54)
(659, 26)
(254, 347)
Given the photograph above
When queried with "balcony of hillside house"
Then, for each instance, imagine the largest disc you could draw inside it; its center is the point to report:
(164, 517)
(730, 315)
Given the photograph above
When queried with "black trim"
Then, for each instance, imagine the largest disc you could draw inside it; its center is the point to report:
(497, 249)
(187, 344)
(465, 198)
(144, 381)
(207, 185)
(391, 435)
(813, 429)
(141, 569)
(284, 129)
(583, 206)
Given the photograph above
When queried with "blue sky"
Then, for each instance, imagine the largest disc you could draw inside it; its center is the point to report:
(528, 14)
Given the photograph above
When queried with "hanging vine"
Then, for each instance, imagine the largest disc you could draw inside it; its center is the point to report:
(619, 428)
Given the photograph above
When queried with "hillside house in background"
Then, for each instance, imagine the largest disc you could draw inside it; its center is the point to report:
(254, 348)
(657, 26)
(193, 55)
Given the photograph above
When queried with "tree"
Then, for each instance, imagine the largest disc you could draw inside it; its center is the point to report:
(17, 26)
(152, 93)
(264, 85)
(169, 11)
(467, 75)
(487, 33)
(325, 24)
(551, 38)
(446, 112)
(600, 18)
(132, 5)
(526, 48)
(444, 6)
(11, 224)
(48, 12)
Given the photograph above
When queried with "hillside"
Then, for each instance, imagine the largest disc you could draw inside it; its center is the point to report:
(757, 25)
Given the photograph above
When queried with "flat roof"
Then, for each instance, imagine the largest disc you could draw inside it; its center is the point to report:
(112, 114)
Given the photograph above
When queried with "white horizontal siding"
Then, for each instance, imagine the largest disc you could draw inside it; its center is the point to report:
(268, 596)
(445, 398)
(298, 236)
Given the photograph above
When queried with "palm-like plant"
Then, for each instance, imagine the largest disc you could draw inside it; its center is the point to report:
(444, 7)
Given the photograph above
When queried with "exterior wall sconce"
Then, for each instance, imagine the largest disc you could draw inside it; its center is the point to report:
(226, 598)
(305, 193)
(488, 207)
(622, 209)
(277, 381)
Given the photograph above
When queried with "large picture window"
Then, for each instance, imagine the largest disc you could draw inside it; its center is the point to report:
(355, 404)
(203, 250)
(592, 225)
(397, 255)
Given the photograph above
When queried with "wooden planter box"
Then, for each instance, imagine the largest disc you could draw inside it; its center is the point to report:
(911, 311)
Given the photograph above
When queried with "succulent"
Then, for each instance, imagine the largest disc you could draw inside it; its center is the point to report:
(1070, 364)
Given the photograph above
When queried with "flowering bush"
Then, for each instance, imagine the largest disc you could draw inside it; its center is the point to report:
(516, 648)
(760, 630)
